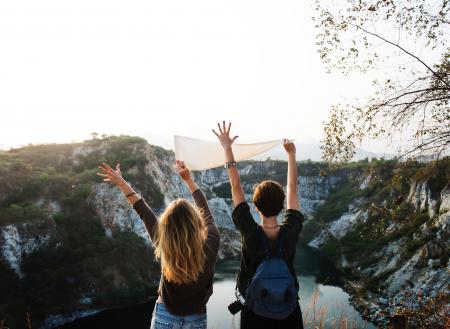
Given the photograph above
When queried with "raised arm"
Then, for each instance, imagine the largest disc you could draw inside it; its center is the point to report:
(199, 197)
(237, 192)
(202, 203)
(144, 211)
(115, 177)
(292, 197)
(185, 174)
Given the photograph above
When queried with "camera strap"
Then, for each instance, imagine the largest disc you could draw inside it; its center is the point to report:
(239, 296)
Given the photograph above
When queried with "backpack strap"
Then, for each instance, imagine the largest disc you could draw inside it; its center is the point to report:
(264, 241)
(280, 243)
(278, 251)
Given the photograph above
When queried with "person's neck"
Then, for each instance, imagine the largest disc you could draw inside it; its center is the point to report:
(269, 221)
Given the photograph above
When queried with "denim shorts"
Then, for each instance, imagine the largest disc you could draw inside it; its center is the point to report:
(163, 319)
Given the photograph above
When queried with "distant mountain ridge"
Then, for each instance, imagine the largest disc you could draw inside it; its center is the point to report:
(305, 151)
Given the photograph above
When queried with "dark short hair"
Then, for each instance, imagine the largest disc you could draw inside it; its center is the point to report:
(268, 197)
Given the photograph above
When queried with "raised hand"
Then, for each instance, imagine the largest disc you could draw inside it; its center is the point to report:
(289, 146)
(237, 192)
(110, 175)
(292, 195)
(182, 170)
(224, 135)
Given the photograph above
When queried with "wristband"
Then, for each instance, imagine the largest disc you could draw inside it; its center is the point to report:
(230, 164)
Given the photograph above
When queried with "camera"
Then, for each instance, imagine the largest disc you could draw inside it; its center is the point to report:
(235, 307)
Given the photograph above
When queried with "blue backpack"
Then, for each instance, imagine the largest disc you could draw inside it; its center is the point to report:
(272, 292)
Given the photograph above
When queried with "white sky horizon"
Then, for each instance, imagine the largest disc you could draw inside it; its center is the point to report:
(144, 68)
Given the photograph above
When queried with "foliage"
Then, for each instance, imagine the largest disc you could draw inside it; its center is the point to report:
(340, 197)
(82, 260)
(265, 170)
(429, 313)
(332, 248)
(364, 238)
(309, 168)
(8, 286)
(310, 230)
(124, 296)
(79, 259)
(14, 174)
(161, 153)
(277, 170)
(384, 201)
(46, 155)
(417, 103)
(369, 237)
(16, 213)
(436, 173)
(223, 190)
(338, 201)
(148, 187)
(126, 150)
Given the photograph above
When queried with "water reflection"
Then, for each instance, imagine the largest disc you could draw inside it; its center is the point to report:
(319, 285)
(319, 295)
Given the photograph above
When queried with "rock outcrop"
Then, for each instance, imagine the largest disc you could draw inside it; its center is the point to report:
(411, 258)
(405, 269)
(117, 215)
(17, 240)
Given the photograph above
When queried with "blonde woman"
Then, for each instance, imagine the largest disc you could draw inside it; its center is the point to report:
(186, 243)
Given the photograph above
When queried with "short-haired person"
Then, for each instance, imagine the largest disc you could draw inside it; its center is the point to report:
(186, 242)
(268, 198)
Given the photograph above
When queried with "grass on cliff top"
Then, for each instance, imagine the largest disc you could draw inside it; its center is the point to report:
(79, 258)
(50, 171)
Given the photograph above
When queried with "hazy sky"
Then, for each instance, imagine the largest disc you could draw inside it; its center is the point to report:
(69, 68)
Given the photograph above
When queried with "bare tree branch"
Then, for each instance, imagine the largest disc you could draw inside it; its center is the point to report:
(401, 48)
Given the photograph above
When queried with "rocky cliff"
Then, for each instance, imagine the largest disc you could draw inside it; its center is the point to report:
(392, 242)
(56, 215)
(387, 229)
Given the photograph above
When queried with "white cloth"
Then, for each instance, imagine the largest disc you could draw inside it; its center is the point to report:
(199, 154)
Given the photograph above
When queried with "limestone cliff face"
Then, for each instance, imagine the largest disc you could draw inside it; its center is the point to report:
(405, 261)
(314, 190)
(117, 215)
(115, 212)
(21, 239)
(406, 266)
(67, 180)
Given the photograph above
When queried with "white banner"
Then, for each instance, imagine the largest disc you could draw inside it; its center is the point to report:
(199, 154)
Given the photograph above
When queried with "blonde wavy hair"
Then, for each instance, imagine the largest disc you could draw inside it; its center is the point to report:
(179, 242)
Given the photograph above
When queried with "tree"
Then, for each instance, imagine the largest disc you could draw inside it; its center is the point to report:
(414, 99)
